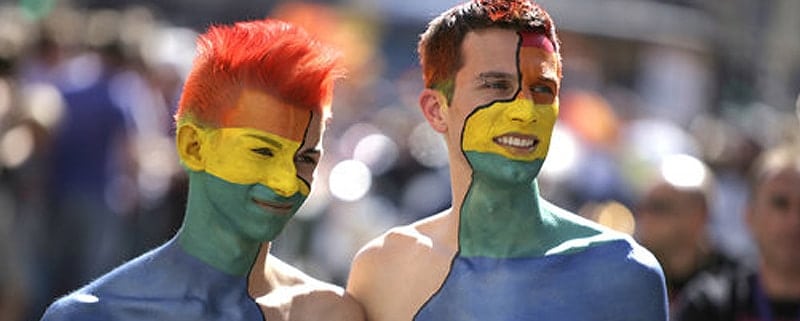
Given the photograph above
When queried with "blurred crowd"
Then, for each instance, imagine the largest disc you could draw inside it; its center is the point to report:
(89, 176)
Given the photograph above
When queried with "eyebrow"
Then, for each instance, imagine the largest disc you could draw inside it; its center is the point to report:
(494, 75)
(267, 140)
(549, 80)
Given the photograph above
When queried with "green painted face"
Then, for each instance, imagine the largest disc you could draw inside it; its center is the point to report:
(254, 211)
(251, 179)
(497, 144)
(253, 172)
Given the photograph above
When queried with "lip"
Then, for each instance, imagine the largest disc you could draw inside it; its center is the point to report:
(517, 143)
(273, 207)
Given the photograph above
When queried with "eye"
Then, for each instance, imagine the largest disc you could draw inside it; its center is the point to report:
(499, 85)
(779, 202)
(542, 94)
(542, 90)
(263, 151)
(307, 159)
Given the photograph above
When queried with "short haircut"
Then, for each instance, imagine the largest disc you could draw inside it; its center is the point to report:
(772, 161)
(270, 55)
(439, 47)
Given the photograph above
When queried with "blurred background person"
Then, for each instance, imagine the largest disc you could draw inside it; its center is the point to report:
(772, 291)
(672, 220)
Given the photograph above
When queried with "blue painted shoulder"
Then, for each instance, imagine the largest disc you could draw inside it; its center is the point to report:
(75, 307)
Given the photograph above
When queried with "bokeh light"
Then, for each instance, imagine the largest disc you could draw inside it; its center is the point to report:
(348, 141)
(174, 46)
(350, 180)
(561, 161)
(427, 146)
(653, 139)
(378, 152)
(683, 171)
(44, 104)
(5, 98)
(16, 146)
(616, 216)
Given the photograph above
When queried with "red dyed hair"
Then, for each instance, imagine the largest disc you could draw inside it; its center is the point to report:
(271, 55)
(439, 46)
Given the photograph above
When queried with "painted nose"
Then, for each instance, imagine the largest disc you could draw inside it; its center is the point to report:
(284, 183)
(521, 110)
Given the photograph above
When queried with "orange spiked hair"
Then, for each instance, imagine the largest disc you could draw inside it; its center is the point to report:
(270, 55)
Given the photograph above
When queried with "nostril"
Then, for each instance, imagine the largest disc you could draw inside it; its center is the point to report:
(524, 120)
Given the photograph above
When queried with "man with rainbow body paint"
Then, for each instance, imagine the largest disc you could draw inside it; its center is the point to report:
(249, 125)
(492, 72)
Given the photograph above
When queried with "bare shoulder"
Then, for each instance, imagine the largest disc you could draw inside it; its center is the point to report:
(298, 296)
(427, 238)
(395, 273)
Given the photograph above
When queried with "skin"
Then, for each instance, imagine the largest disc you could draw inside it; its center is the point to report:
(671, 223)
(266, 152)
(435, 240)
(497, 127)
(773, 215)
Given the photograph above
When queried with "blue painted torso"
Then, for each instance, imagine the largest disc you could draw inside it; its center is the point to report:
(164, 284)
(616, 280)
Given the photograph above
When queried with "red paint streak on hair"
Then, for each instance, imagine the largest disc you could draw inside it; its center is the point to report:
(538, 40)
(269, 55)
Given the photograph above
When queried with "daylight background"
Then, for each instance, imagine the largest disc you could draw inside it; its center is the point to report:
(89, 177)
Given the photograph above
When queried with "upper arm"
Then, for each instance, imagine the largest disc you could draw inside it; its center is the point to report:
(646, 288)
(377, 277)
(323, 304)
(68, 308)
(349, 310)
(366, 281)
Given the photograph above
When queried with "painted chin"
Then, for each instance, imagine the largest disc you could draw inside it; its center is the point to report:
(517, 144)
(275, 207)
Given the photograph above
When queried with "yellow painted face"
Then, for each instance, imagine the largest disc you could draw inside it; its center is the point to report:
(505, 128)
(261, 140)
(248, 156)
(519, 125)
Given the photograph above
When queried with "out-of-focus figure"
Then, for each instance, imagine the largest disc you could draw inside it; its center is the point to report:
(772, 291)
(672, 220)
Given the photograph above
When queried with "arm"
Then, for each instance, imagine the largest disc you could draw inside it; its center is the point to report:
(395, 274)
(72, 308)
(368, 282)
(646, 293)
(322, 304)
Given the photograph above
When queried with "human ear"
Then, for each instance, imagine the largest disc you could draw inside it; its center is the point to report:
(433, 105)
(189, 143)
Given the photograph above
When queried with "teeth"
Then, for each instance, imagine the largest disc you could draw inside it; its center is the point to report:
(516, 142)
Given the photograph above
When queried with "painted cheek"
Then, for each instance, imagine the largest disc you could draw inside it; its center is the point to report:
(549, 115)
(231, 158)
(282, 178)
(520, 117)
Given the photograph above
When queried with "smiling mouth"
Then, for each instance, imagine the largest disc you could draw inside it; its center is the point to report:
(274, 207)
(517, 142)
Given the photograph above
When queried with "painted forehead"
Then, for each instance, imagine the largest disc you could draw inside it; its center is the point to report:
(261, 111)
(537, 40)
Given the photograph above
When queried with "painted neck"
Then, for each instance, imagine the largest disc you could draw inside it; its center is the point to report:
(206, 235)
(502, 219)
